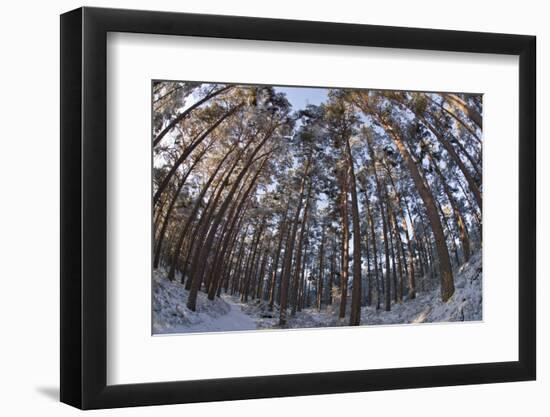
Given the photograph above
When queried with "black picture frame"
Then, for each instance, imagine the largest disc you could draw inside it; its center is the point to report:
(84, 207)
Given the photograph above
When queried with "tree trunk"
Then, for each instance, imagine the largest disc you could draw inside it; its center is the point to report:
(459, 220)
(166, 180)
(373, 238)
(355, 313)
(368, 295)
(445, 143)
(298, 262)
(282, 233)
(321, 277)
(194, 211)
(392, 246)
(199, 265)
(213, 274)
(304, 266)
(457, 118)
(465, 108)
(400, 256)
(173, 200)
(412, 283)
(289, 250)
(386, 287)
(445, 270)
(184, 114)
(332, 271)
(345, 249)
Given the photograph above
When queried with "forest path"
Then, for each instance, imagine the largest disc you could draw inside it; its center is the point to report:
(235, 319)
(171, 314)
(229, 313)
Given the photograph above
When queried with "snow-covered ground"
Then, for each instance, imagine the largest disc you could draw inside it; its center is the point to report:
(170, 314)
(464, 305)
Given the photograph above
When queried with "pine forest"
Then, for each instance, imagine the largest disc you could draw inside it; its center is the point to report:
(280, 207)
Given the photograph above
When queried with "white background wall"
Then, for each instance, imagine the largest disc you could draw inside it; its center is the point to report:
(29, 207)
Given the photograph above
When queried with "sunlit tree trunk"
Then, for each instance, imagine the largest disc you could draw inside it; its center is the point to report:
(168, 214)
(355, 313)
(445, 270)
(464, 107)
(386, 281)
(345, 246)
(459, 219)
(282, 233)
(411, 272)
(196, 142)
(298, 262)
(285, 280)
(185, 227)
(401, 263)
(213, 273)
(199, 265)
(392, 246)
(375, 254)
(368, 301)
(332, 271)
(451, 152)
(302, 296)
(455, 116)
(321, 277)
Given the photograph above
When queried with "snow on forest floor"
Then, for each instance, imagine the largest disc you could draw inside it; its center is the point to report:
(464, 305)
(171, 315)
(227, 313)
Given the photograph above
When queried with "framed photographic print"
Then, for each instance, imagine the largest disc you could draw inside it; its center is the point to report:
(256, 208)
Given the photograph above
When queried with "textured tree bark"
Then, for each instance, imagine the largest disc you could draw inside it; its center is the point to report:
(158, 212)
(355, 312)
(173, 200)
(298, 262)
(445, 270)
(410, 270)
(213, 274)
(345, 248)
(386, 286)
(237, 270)
(289, 250)
(463, 106)
(392, 246)
(199, 265)
(472, 206)
(248, 278)
(368, 299)
(321, 277)
(261, 274)
(457, 118)
(459, 220)
(401, 263)
(445, 143)
(302, 295)
(282, 233)
(232, 253)
(373, 238)
(332, 271)
(166, 180)
(196, 230)
(194, 211)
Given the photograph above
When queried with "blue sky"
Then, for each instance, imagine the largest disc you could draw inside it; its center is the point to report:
(300, 97)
